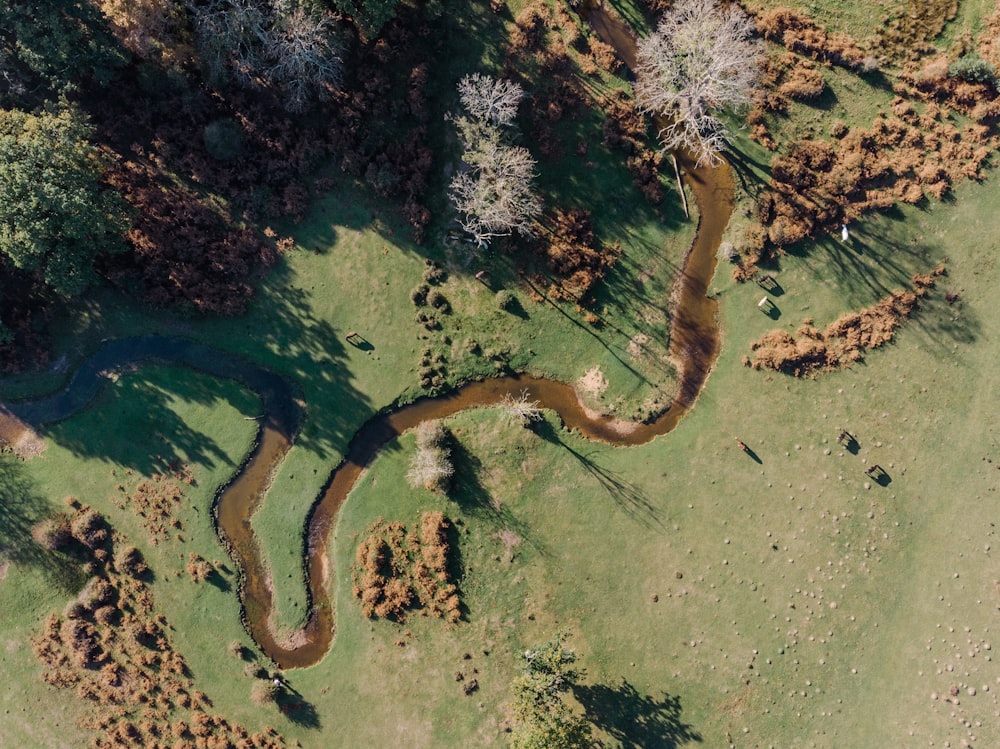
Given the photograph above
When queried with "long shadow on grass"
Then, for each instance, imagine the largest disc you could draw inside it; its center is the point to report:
(585, 328)
(635, 720)
(298, 710)
(752, 174)
(626, 495)
(476, 500)
(21, 507)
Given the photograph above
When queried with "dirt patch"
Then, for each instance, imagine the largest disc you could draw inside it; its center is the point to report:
(3, 569)
(619, 427)
(510, 541)
(18, 437)
(593, 383)
(637, 345)
(844, 341)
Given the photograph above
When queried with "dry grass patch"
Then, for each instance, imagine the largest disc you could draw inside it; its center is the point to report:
(155, 499)
(844, 341)
(396, 572)
(114, 650)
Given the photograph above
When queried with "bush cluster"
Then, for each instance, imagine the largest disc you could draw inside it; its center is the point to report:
(395, 571)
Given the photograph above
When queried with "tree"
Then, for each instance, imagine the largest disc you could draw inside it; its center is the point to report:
(701, 59)
(520, 410)
(543, 720)
(293, 47)
(369, 15)
(489, 99)
(231, 38)
(48, 48)
(495, 192)
(431, 465)
(55, 216)
(305, 55)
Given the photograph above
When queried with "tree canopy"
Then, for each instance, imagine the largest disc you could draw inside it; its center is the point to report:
(543, 720)
(46, 48)
(701, 59)
(494, 192)
(55, 216)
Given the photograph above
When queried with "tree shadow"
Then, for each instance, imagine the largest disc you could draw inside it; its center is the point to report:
(21, 507)
(753, 175)
(475, 499)
(635, 720)
(137, 425)
(298, 710)
(628, 496)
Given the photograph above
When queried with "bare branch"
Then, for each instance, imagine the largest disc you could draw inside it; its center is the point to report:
(701, 59)
(489, 99)
(494, 192)
(306, 55)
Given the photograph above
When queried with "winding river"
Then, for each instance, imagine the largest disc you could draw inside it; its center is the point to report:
(694, 345)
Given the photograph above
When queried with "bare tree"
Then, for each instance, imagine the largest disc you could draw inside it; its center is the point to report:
(496, 194)
(305, 55)
(492, 100)
(231, 37)
(520, 410)
(701, 59)
(282, 44)
(494, 191)
(431, 465)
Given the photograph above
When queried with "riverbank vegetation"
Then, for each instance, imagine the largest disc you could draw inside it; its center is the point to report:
(782, 594)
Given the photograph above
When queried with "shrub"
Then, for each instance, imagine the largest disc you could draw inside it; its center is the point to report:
(198, 568)
(505, 300)
(434, 273)
(52, 533)
(89, 528)
(419, 295)
(129, 561)
(224, 140)
(264, 692)
(438, 301)
(728, 252)
(431, 465)
(974, 69)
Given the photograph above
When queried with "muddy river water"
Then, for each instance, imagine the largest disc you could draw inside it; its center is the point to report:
(694, 345)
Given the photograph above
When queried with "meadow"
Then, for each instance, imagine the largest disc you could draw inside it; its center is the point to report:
(778, 597)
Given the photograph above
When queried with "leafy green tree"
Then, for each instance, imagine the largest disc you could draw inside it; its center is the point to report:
(55, 216)
(543, 720)
(47, 48)
(369, 16)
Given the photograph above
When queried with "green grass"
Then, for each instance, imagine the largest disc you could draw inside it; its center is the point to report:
(153, 414)
(763, 549)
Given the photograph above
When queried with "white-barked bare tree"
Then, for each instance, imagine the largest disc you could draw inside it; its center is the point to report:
(494, 192)
(701, 60)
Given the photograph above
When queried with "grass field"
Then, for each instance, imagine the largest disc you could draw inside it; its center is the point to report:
(778, 599)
